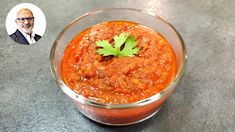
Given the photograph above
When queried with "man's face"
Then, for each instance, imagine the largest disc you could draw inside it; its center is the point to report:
(25, 21)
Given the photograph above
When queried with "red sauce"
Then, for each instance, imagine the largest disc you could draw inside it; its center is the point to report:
(118, 80)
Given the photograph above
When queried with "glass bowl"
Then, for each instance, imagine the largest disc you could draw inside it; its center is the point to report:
(118, 114)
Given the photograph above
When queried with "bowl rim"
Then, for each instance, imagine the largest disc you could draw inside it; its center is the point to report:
(143, 102)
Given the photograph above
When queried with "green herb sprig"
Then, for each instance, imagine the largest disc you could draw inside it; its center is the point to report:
(124, 45)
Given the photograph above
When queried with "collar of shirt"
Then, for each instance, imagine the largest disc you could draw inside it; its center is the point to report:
(31, 39)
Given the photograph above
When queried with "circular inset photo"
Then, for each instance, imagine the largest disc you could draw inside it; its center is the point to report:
(25, 23)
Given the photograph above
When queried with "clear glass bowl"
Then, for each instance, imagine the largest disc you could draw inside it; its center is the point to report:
(118, 114)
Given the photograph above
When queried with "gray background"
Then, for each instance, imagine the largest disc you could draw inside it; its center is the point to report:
(204, 100)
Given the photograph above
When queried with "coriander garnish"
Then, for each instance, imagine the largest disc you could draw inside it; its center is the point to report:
(122, 40)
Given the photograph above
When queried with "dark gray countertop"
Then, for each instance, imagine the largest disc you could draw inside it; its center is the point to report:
(204, 100)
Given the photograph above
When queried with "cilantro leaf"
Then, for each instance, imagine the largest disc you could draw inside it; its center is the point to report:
(128, 43)
(119, 40)
(107, 48)
(129, 48)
